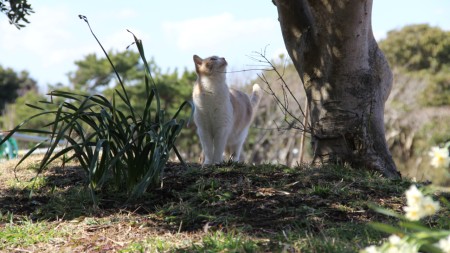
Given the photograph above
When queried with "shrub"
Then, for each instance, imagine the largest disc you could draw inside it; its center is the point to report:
(111, 144)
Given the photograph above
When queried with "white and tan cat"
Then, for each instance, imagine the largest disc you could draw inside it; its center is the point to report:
(222, 115)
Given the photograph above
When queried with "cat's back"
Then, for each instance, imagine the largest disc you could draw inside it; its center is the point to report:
(242, 108)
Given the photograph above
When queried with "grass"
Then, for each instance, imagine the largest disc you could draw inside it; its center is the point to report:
(229, 208)
(26, 234)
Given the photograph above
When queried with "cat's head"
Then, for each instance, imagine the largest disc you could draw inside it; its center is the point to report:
(210, 66)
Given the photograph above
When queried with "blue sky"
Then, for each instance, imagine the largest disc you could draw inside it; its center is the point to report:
(172, 31)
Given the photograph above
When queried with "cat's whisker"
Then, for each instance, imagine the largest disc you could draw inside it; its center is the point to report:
(245, 70)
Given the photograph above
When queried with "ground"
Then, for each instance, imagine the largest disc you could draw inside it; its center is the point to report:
(229, 208)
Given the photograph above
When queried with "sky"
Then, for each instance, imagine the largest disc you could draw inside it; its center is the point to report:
(172, 31)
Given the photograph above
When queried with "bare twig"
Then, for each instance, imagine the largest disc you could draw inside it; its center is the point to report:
(283, 101)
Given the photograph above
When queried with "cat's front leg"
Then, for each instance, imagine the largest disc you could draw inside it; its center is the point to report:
(220, 141)
(207, 143)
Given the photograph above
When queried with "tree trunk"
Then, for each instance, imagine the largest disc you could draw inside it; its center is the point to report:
(346, 78)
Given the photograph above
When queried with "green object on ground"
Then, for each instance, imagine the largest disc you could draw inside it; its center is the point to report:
(9, 149)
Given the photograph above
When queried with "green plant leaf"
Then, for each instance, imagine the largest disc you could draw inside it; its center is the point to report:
(385, 211)
(386, 228)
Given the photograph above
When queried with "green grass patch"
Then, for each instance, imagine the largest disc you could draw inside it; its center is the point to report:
(26, 233)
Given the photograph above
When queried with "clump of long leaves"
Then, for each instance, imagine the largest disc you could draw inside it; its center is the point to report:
(120, 146)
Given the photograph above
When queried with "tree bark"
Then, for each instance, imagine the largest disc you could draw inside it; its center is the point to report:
(346, 78)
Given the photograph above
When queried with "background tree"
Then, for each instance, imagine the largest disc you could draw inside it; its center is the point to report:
(13, 84)
(418, 110)
(422, 52)
(346, 78)
(95, 73)
(16, 11)
(19, 111)
(418, 47)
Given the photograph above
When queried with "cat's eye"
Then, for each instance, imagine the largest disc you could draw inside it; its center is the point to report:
(213, 58)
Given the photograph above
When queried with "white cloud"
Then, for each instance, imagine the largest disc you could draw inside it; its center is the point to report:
(216, 31)
(42, 46)
(55, 39)
(46, 36)
(46, 26)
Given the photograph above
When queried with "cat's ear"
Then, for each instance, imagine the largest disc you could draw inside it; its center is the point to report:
(197, 60)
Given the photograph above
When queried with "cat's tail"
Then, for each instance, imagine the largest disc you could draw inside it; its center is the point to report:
(256, 97)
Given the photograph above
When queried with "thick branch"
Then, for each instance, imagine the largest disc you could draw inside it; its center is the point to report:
(297, 26)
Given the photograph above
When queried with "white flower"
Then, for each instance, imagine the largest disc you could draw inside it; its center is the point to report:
(413, 213)
(413, 196)
(418, 205)
(395, 244)
(398, 245)
(395, 240)
(444, 244)
(371, 249)
(429, 206)
(439, 157)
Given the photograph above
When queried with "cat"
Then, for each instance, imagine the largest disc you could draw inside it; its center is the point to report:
(223, 115)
